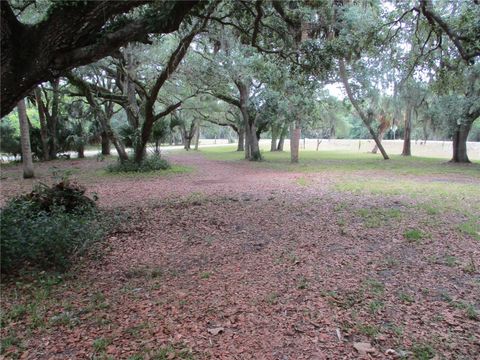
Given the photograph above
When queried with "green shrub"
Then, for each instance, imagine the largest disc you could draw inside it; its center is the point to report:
(47, 228)
(66, 194)
(151, 163)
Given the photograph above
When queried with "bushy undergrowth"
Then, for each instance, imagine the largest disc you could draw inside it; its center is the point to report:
(48, 227)
(151, 163)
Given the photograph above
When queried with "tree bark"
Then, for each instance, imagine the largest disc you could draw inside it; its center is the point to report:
(197, 135)
(295, 141)
(241, 140)
(105, 143)
(273, 144)
(281, 141)
(382, 129)
(71, 35)
(43, 124)
(459, 143)
(188, 141)
(407, 146)
(52, 120)
(363, 116)
(81, 151)
(252, 150)
(25, 141)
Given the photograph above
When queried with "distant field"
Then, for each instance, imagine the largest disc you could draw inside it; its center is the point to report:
(440, 149)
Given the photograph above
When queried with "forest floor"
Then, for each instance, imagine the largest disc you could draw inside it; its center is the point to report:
(224, 259)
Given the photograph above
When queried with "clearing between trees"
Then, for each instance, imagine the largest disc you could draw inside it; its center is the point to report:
(218, 258)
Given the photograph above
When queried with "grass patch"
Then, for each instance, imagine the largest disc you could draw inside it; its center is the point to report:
(368, 330)
(471, 227)
(434, 196)
(376, 217)
(374, 286)
(100, 345)
(406, 298)
(413, 235)
(302, 283)
(272, 298)
(205, 275)
(376, 306)
(423, 351)
(338, 161)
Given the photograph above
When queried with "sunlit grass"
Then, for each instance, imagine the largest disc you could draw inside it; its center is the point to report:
(328, 161)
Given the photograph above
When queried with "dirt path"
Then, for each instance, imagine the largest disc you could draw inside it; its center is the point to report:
(232, 261)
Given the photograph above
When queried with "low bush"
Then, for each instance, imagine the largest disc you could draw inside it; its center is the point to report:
(151, 163)
(47, 228)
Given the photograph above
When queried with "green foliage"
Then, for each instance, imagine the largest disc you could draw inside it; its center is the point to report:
(150, 163)
(9, 141)
(66, 194)
(47, 228)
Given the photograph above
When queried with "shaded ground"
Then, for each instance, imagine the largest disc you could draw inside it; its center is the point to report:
(232, 260)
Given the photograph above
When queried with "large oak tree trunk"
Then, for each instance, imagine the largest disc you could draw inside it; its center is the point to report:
(73, 34)
(407, 144)
(459, 143)
(188, 141)
(25, 141)
(295, 142)
(252, 149)
(81, 151)
(241, 140)
(197, 135)
(273, 144)
(105, 143)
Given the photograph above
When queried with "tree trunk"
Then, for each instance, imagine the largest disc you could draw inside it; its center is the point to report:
(25, 141)
(53, 119)
(460, 143)
(295, 142)
(363, 116)
(188, 140)
(241, 140)
(380, 138)
(407, 147)
(104, 122)
(197, 136)
(43, 124)
(281, 141)
(382, 129)
(105, 143)
(273, 145)
(252, 150)
(81, 151)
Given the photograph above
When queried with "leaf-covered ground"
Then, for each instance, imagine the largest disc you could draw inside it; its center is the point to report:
(231, 260)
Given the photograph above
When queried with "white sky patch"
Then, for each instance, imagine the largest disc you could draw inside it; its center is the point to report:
(336, 90)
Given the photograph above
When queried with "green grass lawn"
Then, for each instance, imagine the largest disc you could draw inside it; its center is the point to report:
(327, 161)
